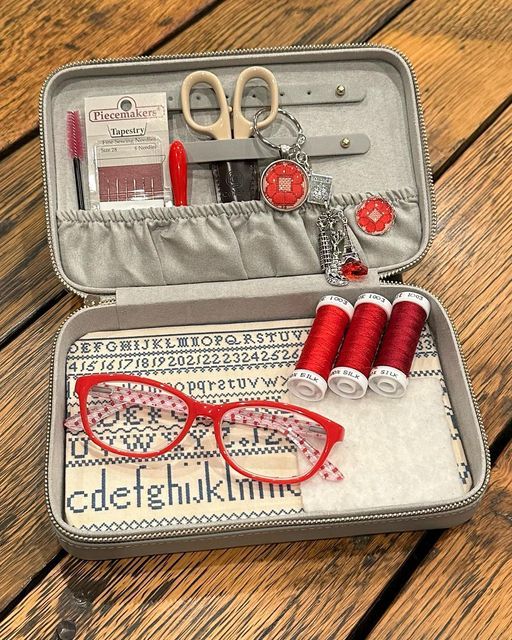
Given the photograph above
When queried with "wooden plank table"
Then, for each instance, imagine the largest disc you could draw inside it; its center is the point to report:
(389, 586)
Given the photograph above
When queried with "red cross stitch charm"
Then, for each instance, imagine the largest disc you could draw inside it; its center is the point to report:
(375, 216)
(284, 185)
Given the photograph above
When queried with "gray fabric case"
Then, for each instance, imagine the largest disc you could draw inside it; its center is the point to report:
(235, 262)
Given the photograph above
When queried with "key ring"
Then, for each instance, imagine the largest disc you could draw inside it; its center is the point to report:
(284, 150)
(285, 183)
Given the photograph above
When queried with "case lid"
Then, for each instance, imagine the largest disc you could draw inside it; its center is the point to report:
(359, 108)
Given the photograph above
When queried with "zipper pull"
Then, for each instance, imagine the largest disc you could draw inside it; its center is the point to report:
(93, 300)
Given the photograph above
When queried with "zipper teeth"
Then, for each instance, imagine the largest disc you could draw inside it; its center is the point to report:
(240, 526)
(428, 171)
(45, 194)
(227, 53)
(110, 300)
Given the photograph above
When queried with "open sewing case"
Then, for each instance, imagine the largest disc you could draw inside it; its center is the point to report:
(217, 299)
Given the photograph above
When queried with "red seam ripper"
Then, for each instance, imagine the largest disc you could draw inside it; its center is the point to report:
(178, 173)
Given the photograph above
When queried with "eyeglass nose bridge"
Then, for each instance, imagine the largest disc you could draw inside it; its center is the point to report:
(205, 410)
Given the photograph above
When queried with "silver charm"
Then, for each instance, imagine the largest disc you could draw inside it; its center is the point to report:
(349, 251)
(287, 183)
(333, 274)
(320, 188)
(331, 245)
(324, 240)
(351, 267)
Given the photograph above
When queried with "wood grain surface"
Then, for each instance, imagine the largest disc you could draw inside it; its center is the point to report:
(462, 54)
(462, 59)
(38, 36)
(468, 265)
(286, 23)
(27, 279)
(463, 588)
(273, 591)
(284, 588)
(236, 24)
(25, 533)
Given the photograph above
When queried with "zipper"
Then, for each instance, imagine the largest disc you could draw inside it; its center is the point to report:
(93, 300)
(295, 522)
(227, 53)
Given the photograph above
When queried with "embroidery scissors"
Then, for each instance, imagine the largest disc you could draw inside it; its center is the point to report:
(234, 180)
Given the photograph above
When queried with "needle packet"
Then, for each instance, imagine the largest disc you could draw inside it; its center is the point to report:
(127, 137)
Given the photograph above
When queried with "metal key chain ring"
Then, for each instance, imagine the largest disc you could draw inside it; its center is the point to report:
(301, 138)
(284, 183)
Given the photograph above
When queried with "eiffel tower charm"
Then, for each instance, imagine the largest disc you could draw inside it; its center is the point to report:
(351, 266)
(334, 274)
(339, 259)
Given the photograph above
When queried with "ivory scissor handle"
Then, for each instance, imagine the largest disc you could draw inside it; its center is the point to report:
(242, 128)
(221, 128)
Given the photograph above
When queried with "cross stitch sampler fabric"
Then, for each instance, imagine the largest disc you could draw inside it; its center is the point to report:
(192, 485)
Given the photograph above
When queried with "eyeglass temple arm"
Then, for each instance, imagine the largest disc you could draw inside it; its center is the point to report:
(120, 398)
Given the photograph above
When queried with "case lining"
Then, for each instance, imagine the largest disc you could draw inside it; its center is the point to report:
(388, 115)
(414, 454)
(295, 297)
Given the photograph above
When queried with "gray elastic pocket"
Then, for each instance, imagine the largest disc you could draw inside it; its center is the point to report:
(215, 242)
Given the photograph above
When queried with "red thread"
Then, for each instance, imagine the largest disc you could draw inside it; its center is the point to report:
(402, 336)
(363, 337)
(323, 341)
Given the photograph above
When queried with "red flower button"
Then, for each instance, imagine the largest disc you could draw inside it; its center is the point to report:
(375, 216)
(284, 185)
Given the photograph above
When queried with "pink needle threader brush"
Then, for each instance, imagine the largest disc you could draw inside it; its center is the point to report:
(76, 151)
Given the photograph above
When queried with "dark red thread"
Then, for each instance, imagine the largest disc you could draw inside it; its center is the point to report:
(324, 340)
(363, 337)
(402, 336)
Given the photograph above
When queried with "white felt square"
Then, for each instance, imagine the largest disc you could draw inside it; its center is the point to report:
(395, 452)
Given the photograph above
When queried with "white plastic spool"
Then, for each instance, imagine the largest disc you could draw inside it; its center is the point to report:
(345, 381)
(307, 384)
(388, 381)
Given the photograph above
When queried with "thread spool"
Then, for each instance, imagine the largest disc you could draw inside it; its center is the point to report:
(389, 376)
(309, 380)
(349, 378)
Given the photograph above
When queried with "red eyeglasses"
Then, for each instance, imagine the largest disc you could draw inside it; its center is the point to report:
(263, 440)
